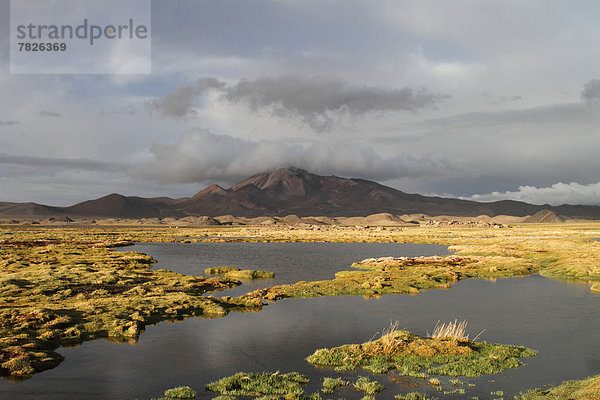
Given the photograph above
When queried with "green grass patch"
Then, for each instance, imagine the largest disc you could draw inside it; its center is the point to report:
(434, 382)
(413, 355)
(402, 276)
(220, 270)
(330, 384)
(259, 385)
(365, 385)
(584, 389)
(455, 391)
(413, 396)
(249, 274)
(180, 392)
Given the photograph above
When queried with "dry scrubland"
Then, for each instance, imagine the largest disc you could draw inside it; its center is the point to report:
(61, 285)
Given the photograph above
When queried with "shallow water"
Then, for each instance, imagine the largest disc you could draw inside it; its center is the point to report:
(291, 262)
(557, 318)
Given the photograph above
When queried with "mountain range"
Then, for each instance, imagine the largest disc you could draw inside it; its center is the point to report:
(290, 191)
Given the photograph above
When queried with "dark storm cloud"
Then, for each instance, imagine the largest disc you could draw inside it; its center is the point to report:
(180, 102)
(316, 101)
(591, 91)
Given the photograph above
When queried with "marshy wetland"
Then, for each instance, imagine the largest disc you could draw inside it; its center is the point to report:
(64, 286)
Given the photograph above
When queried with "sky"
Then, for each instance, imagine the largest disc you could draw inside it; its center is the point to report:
(475, 99)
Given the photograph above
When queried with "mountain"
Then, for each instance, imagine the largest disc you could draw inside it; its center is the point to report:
(296, 191)
(116, 205)
(27, 209)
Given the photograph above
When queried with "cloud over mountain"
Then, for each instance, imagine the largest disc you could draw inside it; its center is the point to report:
(200, 155)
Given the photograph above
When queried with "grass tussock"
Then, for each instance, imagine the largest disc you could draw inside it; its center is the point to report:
(367, 386)
(434, 382)
(330, 384)
(249, 274)
(220, 270)
(416, 356)
(456, 330)
(180, 392)
(273, 385)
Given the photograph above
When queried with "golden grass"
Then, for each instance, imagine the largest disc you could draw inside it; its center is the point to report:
(56, 293)
(456, 330)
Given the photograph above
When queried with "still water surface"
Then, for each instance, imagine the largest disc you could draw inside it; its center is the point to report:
(559, 319)
(291, 262)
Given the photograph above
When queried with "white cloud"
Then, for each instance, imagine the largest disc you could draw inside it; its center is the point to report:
(557, 194)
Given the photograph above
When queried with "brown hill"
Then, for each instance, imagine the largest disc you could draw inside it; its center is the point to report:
(545, 216)
(293, 191)
(24, 210)
(118, 206)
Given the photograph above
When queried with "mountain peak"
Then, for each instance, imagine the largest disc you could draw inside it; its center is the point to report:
(283, 172)
(296, 171)
(212, 189)
(289, 181)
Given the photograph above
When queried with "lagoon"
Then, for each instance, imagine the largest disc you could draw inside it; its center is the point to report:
(559, 319)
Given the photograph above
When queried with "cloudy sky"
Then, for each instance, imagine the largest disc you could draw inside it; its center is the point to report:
(477, 99)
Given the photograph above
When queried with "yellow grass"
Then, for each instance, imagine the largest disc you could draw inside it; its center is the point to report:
(456, 330)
